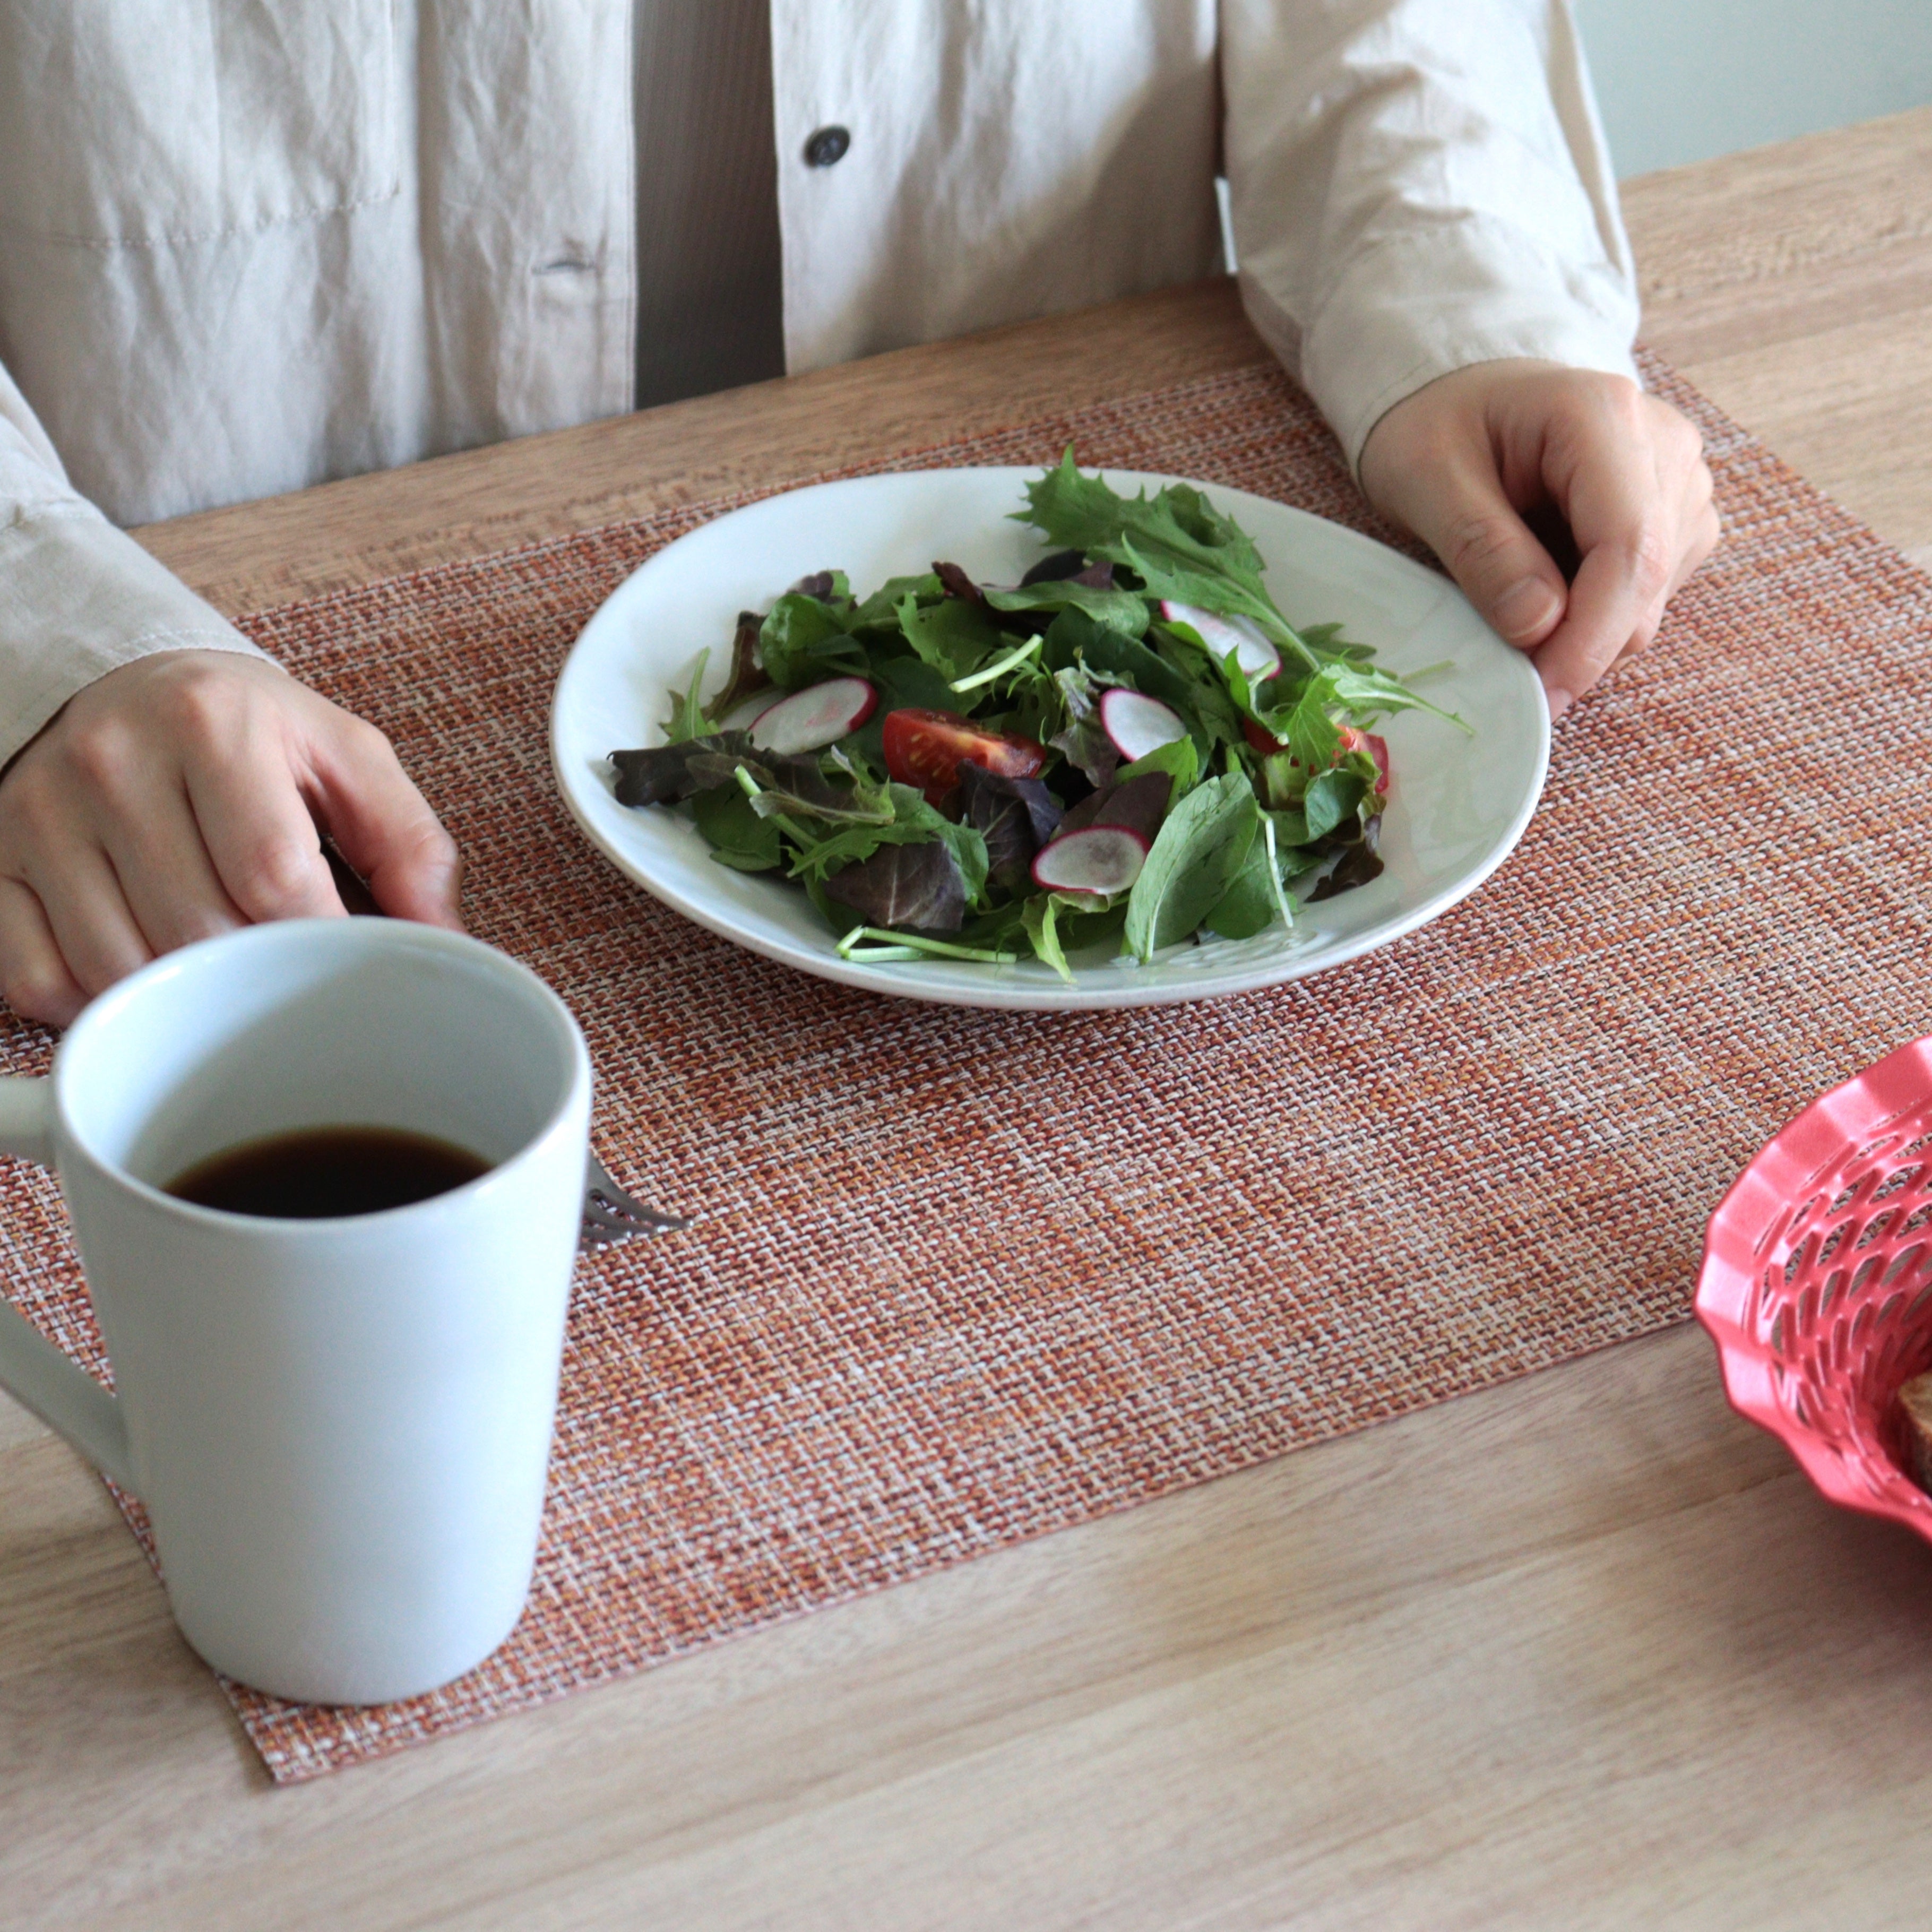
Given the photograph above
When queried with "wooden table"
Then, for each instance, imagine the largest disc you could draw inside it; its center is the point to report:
(1584, 1651)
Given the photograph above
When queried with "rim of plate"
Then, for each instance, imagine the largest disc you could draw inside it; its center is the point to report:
(968, 984)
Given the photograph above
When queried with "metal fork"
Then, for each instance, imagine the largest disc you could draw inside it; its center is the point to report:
(611, 1216)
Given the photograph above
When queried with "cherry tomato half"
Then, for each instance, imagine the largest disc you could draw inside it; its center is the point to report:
(926, 749)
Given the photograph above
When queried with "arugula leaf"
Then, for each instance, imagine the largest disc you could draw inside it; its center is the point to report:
(738, 836)
(1123, 610)
(1312, 735)
(1163, 577)
(1326, 641)
(955, 637)
(1365, 692)
(687, 720)
(1306, 727)
(1201, 848)
(1361, 691)
(802, 640)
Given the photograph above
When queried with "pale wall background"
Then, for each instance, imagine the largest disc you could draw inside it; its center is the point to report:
(1682, 80)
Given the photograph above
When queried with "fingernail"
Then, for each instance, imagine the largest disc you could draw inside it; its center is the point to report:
(1559, 699)
(1526, 608)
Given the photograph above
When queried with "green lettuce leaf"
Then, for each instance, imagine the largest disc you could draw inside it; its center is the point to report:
(803, 641)
(955, 637)
(738, 836)
(880, 611)
(1125, 611)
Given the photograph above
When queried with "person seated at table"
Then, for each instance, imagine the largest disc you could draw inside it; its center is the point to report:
(251, 247)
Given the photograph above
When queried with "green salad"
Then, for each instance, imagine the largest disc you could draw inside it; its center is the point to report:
(1131, 747)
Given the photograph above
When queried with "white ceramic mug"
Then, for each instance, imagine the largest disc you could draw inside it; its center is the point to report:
(340, 1428)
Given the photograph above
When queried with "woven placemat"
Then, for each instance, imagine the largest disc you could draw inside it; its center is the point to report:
(965, 1277)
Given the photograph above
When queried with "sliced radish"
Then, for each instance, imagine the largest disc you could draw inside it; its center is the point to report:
(1254, 650)
(747, 711)
(819, 715)
(1138, 724)
(1102, 859)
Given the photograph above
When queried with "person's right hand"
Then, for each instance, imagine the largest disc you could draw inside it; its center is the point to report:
(184, 795)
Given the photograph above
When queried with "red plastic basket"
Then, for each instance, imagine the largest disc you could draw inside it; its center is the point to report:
(1817, 1283)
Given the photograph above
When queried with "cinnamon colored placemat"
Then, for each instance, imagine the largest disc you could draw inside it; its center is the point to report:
(965, 1277)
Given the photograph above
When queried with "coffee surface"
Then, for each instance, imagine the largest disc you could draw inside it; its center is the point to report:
(321, 1173)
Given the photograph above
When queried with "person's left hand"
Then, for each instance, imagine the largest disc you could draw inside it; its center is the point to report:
(1462, 462)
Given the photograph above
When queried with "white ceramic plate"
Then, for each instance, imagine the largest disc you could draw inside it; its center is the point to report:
(1457, 805)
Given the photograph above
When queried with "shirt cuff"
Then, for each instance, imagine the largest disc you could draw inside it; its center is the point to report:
(1410, 308)
(79, 598)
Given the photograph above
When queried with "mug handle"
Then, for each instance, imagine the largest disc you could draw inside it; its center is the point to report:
(32, 1370)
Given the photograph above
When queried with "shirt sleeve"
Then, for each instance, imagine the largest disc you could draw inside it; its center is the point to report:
(1418, 185)
(78, 597)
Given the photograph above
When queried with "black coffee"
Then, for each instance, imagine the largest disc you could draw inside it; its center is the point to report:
(320, 1173)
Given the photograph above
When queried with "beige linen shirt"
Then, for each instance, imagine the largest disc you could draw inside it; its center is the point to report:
(247, 245)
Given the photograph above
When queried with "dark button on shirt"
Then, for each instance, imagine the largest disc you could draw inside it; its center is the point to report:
(827, 146)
